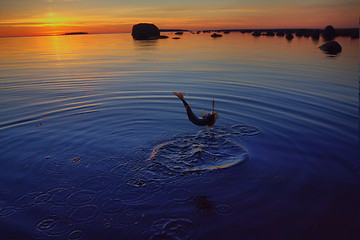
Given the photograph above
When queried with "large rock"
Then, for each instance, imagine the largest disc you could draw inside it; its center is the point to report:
(145, 31)
(329, 33)
(331, 47)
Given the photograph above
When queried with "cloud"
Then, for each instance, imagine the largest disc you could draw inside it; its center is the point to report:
(15, 24)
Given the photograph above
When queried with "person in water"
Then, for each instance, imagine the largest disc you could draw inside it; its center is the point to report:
(207, 120)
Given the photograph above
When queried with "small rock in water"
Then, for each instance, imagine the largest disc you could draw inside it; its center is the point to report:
(215, 35)
(289, 36)
(331, 47)
(256, 34)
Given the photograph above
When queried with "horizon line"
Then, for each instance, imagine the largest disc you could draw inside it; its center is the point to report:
(184, 30)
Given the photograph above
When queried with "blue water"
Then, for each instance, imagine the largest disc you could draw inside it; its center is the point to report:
(94, 145)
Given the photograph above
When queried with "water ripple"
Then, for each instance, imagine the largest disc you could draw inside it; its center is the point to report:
(202, 151)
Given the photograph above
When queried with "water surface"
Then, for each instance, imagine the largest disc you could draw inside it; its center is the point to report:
(94, 145)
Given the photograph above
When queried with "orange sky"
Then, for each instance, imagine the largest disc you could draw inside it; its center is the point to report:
(53, 17)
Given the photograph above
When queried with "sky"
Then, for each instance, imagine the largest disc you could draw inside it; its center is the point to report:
(53, 17)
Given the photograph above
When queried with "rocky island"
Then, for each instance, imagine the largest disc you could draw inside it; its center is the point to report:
(145, 31)
(75, 33)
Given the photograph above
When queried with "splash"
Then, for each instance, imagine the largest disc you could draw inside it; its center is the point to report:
(202, 151)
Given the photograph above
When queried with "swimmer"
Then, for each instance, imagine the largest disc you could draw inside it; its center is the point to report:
(207, 120)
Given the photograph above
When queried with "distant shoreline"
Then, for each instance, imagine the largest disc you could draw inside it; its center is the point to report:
(251, 29)
(274, 29)
(306, 32)
(75, 33)
(341, 31)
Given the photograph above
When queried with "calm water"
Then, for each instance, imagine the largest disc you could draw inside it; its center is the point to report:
(94, 145)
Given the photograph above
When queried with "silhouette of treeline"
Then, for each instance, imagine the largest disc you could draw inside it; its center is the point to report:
(173, 30)
(303, 32)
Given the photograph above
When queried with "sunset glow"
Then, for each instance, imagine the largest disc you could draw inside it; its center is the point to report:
(53, 17)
